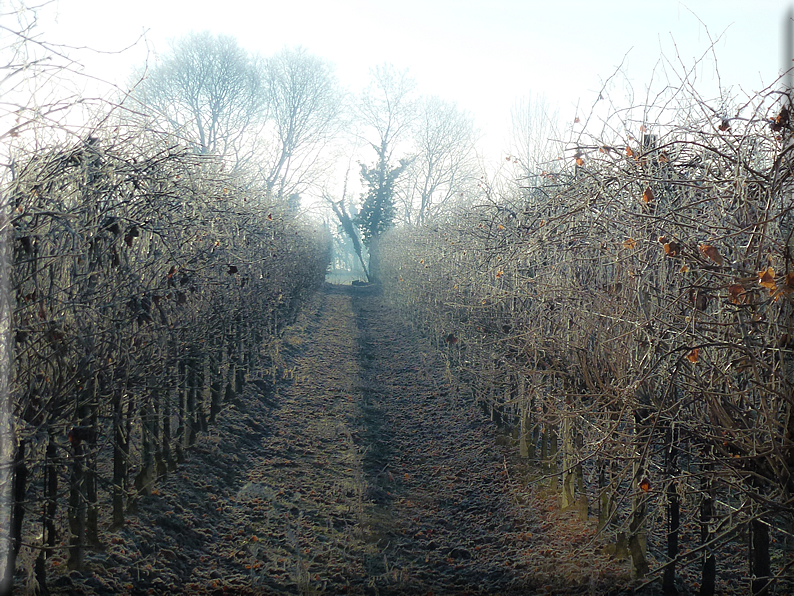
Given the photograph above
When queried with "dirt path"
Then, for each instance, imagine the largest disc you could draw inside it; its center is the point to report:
(360, 473)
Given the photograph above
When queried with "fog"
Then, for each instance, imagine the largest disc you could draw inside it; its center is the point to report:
(414, 298)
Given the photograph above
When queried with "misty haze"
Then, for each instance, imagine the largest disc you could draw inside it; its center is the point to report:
(423, 299)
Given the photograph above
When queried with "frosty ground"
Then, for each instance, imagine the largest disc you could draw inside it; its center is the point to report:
(354, 465)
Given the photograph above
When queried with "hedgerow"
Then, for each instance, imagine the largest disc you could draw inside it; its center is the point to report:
(629, 312)
(149, 287)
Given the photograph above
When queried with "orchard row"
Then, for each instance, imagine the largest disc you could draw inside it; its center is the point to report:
(630, 313)
(149, 287)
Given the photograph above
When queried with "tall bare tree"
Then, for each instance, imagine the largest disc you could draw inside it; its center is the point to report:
(444, 161)
(387, 111)
(535, 140)
(210, 92)
(305, 104)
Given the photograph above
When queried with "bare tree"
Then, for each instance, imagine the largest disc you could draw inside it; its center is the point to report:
(535, 141)
(387, 110)
(444, 161)
(209, 92)
(34, 102)
(305, 107)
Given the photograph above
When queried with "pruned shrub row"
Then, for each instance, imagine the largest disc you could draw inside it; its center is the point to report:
(630, 312)
(149, 285)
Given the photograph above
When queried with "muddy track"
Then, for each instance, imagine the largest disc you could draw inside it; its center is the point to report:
(358, 472)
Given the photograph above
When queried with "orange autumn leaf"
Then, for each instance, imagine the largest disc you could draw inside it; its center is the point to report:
(737, 294)
(693, 355)
(629, 152)
(629, 243)
(647, 196)
(712, 253)
(671, 249)
(767, 279)
(684, 268)
(782, 120)
(579, 161)
(784, 290)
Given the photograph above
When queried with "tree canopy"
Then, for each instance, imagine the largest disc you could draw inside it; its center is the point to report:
(209, 92)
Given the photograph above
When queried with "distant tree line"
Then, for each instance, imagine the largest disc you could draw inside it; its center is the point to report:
(288, 118)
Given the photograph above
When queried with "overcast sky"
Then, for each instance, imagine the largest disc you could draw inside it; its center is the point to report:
(481, 54)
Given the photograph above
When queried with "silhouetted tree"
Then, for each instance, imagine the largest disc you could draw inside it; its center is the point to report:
(387, 110)
(377, 211)
(444, 162)
(210, 92)
(304, 102)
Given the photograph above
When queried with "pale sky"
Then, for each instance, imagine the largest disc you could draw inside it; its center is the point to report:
(483, 55)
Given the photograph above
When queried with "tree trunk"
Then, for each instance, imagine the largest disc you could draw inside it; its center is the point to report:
(350, 230)
(160, 468)
(582, 503)
(524, 423)
(171, 384)
(216, 378)
(119, 461)
(145, 477)
(51, 493)
(199, 380)
(568, 497)
(553, 469)
(91, 478)
(760, 564)
(673, 510)
(181, 429)
(239, 349)
(604, 500)
(637, 537)
(374, 259)
(230, 394)
(190, 398)
(709, 563)
(77, 505)
(19, 489)
(168, 455)
(535, 436)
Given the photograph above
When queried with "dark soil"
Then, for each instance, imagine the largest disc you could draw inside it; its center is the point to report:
(361, 470)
